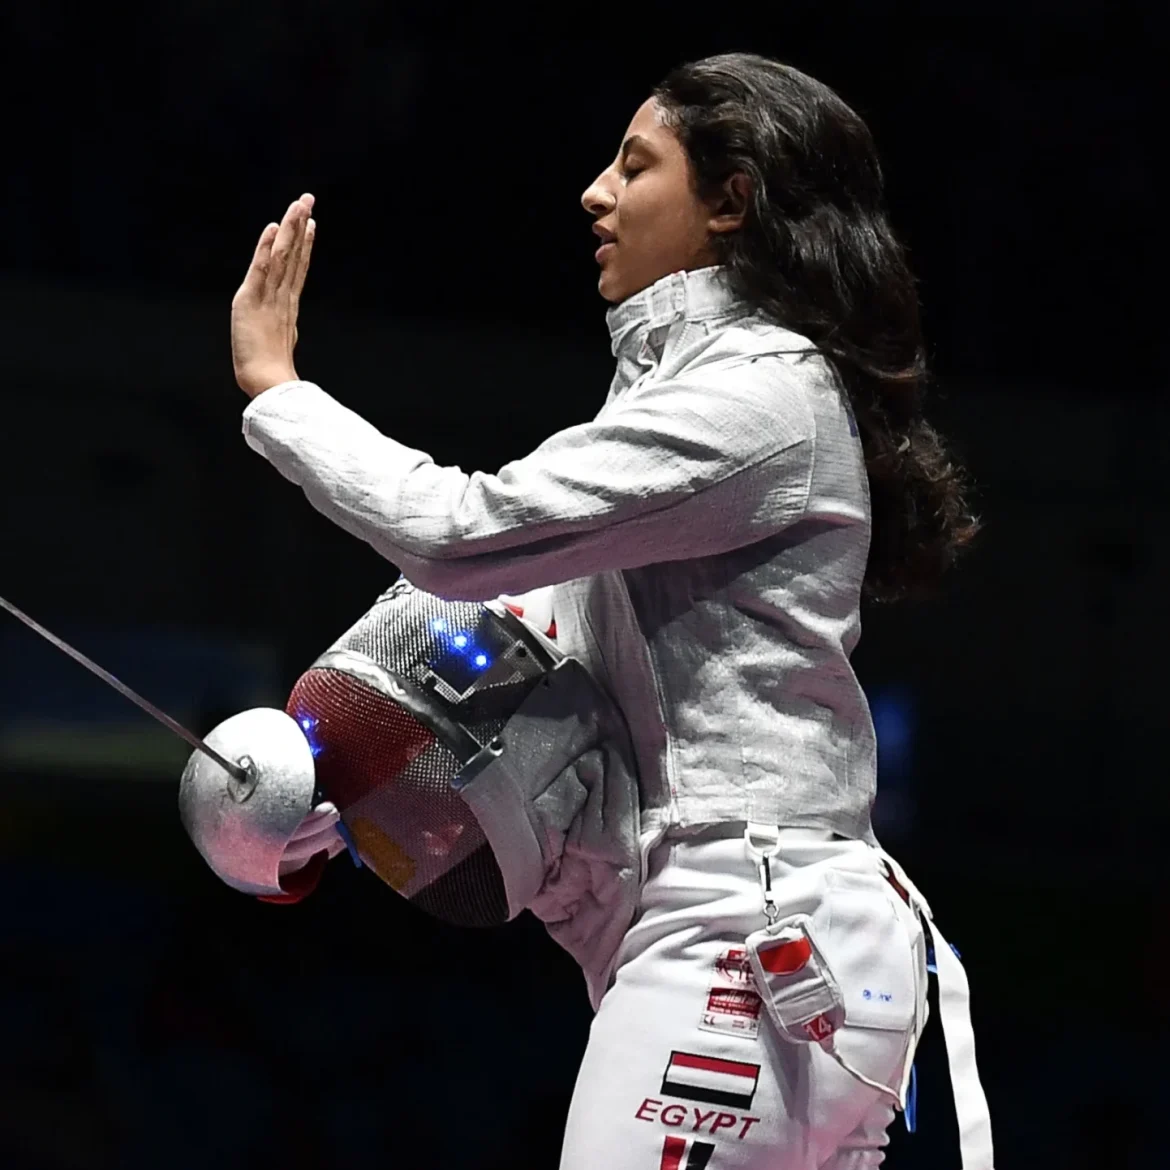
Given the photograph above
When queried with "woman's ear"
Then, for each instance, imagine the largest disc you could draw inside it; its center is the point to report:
(731, 207)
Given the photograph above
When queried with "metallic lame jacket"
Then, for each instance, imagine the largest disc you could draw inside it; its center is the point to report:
(706, 535)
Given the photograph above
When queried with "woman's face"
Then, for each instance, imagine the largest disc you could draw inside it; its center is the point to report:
(647, 211)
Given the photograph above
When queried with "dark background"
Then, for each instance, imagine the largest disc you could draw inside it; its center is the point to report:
(151, 1017)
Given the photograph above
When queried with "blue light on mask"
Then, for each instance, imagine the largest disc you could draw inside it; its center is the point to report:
(308, 726)
(460, 646)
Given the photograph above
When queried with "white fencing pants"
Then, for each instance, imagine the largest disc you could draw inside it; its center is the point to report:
(685, 1070)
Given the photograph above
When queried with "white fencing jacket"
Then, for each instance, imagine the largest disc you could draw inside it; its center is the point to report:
(705, 536)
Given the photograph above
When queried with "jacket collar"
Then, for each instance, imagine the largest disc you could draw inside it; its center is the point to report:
(694, 295)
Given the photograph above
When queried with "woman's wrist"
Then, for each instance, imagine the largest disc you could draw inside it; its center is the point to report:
(255, 382)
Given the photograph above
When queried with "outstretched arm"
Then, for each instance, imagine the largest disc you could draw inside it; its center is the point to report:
(682, 469)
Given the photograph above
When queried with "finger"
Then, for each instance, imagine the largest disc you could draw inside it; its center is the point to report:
(303, 256)
(306, 848)
(290, 863)
(282, 246)
(323, 818)
(305, 833)
(292, 269)
(293, 278)
(261, 257)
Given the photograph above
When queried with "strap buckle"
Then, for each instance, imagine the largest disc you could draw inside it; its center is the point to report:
(763, 843)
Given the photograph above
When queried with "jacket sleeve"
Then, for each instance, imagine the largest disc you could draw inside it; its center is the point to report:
(679, 469)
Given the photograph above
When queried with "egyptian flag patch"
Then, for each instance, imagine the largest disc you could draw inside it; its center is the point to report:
(685, 1154)
(706, 1078)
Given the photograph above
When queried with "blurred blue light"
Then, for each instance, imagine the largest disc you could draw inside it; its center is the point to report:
(893, 720)
(308, 725)
(439, 625)
(460, 640)
(481, 660)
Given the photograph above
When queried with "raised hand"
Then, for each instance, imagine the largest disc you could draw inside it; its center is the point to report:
(265, 307)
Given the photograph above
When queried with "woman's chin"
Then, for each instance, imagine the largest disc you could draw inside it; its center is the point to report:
(610, 287)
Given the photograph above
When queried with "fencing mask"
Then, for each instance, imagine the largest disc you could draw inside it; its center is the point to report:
(462, 750)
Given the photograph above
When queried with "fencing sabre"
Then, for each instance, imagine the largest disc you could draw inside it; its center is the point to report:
(239, 771)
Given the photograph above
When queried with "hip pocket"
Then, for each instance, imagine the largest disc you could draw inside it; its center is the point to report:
(870, 947)
(844, 977)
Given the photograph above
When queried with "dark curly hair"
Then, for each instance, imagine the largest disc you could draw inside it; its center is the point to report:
(816, 254)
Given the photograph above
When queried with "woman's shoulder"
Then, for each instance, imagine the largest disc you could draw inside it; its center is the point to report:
(755, 358)
(742, 339)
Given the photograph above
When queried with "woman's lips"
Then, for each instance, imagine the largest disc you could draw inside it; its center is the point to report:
(604, 251)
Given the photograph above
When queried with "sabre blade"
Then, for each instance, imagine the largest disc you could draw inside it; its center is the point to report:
(234, 769)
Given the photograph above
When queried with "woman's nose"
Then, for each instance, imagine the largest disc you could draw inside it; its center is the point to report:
(598, 199)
